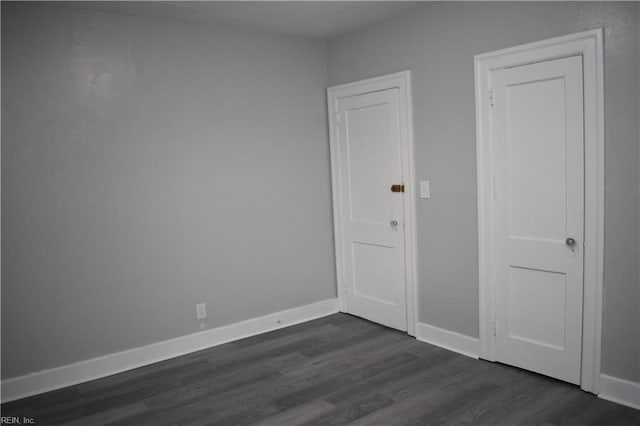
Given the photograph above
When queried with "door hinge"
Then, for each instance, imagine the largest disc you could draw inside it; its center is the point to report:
(493, 327)
(337, 118)
(491, 97)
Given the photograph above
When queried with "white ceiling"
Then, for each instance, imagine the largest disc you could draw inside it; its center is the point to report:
(318, 19)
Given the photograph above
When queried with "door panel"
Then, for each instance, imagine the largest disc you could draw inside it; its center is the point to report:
(369, 163)
(367, 145)
(528, 290)
(365, 277)
(535, 143)
(537, 128)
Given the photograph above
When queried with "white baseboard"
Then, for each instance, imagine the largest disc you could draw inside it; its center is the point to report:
(621, 391)
(450, 340)
(83, 371)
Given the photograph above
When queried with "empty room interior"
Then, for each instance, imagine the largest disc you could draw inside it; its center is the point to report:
(326, 212)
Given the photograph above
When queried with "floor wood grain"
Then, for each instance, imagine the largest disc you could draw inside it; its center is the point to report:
(333, 371)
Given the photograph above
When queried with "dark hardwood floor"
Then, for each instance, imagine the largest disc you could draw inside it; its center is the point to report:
(335, 370)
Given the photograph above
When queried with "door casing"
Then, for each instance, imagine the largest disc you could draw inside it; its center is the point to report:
(402, 82)
(589, 45)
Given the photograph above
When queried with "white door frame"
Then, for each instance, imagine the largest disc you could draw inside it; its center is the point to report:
(402, 82)
(589, 45)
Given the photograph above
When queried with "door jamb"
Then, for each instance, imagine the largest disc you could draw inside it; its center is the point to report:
(402, 82)
(588, 44)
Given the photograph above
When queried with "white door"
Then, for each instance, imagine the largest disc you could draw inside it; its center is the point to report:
(537, 132)
(372, 232)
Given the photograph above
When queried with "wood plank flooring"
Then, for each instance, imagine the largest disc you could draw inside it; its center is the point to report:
(332, 371)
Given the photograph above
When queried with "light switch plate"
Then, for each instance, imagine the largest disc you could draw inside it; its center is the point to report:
(425, 191)
(201, 311)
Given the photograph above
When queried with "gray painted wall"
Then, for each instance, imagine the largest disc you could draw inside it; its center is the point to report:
(437, 43)
(150, 165)
(140, 160)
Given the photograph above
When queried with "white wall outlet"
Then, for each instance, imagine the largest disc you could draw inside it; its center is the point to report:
(425, 191)
(201, 311)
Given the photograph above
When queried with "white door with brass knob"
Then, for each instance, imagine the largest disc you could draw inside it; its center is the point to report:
(538, 155)
(369, 184)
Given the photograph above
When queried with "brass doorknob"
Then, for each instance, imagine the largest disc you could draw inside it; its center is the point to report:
(397, 188)
(570, 242)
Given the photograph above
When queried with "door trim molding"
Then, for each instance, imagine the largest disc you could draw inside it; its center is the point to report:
(588, 44)
(402, 82)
